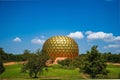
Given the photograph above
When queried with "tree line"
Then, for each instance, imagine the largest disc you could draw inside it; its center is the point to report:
(109, 57)
(8, 57)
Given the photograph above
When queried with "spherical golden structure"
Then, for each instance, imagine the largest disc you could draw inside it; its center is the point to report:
(61, 46)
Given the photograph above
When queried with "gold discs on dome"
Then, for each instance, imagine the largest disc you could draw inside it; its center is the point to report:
(61, 46)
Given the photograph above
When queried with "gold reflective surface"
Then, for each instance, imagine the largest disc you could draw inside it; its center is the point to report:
(61, 46)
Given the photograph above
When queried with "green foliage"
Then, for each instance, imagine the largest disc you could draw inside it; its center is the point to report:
(72, 64)
(78, 62)
(94, 64)
(2, 69)
(26, 54)
(3, 55)
(35, 63)
(67, 63)
(7, 57)
(109, 57)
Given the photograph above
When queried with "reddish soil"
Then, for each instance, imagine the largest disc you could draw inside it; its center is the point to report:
(11, 63)
(117, 64)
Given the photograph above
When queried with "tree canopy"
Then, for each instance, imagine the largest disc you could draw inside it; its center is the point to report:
(94, 63)
(35, 63)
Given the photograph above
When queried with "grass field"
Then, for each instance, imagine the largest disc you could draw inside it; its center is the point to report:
(114, 71)
(54, 73)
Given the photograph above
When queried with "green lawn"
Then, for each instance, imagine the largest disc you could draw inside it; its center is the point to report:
(57, 71)
(114, 71)
(12, 71)
(54, 73)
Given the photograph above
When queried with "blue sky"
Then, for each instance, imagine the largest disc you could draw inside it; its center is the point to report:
(27, 24)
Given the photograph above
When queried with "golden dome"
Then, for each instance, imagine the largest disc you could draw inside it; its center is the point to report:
(61, 46)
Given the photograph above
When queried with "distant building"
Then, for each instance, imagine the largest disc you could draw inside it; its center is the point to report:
(61, 47)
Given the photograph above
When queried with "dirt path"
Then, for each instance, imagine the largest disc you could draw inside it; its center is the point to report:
(11, 63)
(116, 64)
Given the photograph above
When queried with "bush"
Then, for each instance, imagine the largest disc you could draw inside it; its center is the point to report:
(2, 69)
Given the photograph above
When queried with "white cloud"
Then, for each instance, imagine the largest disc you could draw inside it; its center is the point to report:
(17, 39)
(102, 35)
(117, 38)
(112, 46)
(37, 41)
(77, 35)
(99, 35)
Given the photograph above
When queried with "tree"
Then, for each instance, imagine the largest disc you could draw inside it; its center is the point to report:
(94, 64)
(2, 69)
(26, 54)
(35, 64)
(3, 55)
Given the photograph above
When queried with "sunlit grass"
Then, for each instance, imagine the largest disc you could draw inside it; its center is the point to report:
(55, 72)
(12, 71)
(114, 71)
